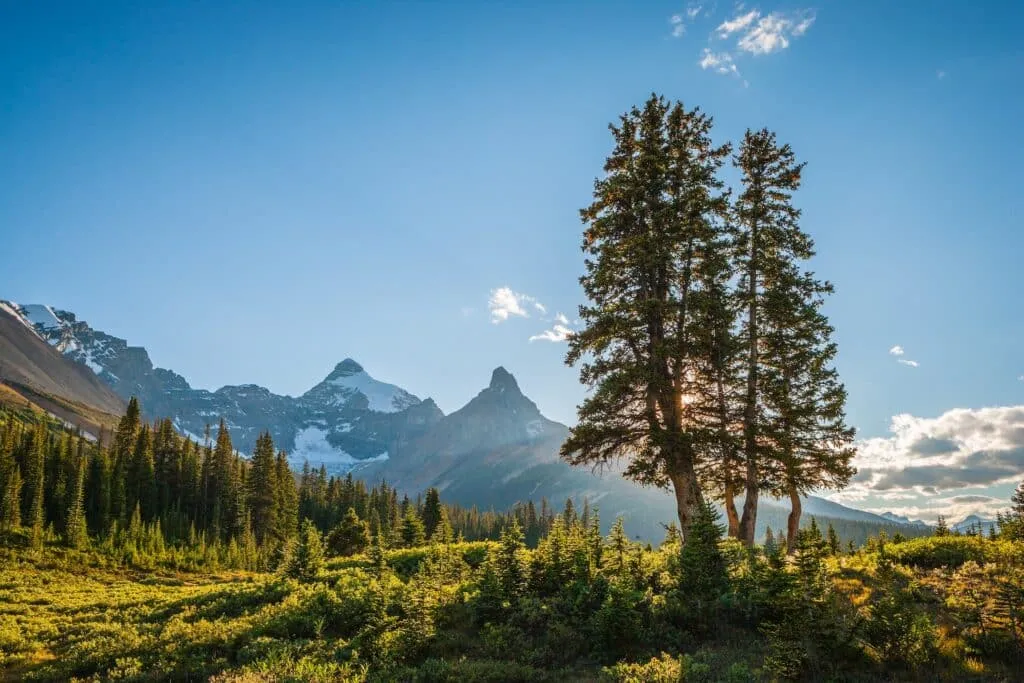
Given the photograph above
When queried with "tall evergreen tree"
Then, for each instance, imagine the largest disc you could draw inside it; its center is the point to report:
(10, 509)
(75, 532)
(780, 303)
(431, 511)
(35, 463)
(263, 497)
(287, 500)
(655, 215)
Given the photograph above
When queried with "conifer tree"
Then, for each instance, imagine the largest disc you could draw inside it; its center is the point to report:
(75, 532)
(350, 537)
(443, 531)
(833, 540)
(618, 546)
(940, 527)
(703, 578)
(263, 495)
(412, 532)
(509, 567)
(306, 558)
(10, 510)
(431, 511)
(34, 486)
(655, 214)
(287, 500)
(792, 404)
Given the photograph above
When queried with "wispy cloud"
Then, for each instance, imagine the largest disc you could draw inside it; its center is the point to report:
(559, 332)
(720, 62)
(505, 303)
(678, 25)
(754, 34)
(772, 33)
(900, 351)
(679, 21)
(737, 23)
(940, 74)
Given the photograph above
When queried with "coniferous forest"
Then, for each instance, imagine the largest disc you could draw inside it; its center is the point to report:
(139, 554)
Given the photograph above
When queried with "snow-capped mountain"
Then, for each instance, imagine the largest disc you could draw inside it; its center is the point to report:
(348, 419)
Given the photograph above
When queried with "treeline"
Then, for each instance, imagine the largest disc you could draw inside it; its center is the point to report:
(145, 489)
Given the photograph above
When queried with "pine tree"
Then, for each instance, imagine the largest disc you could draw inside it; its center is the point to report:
(617, 546)
(350, 537)
(431, 511)
(703, 578)
(263, 495)
(10, 511)
(509, 567)
(940, 527)
(34, 486)
(75, 532)
(412, 532)
(655, 214)
(794, 435)
(833, 540)
(287, 500)
(306, 558)
(443, 531)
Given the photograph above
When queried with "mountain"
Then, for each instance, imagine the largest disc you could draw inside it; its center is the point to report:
(346, 420)
(48, 379)
(973, 522)
(901, 519)
(493, 452)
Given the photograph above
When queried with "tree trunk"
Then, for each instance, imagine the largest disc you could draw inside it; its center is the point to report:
(753, 484)
(730, 512)
(793, 523)
(688, 497)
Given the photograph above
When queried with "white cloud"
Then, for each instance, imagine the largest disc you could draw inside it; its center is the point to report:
(720, 62)
(771, 34)
(961, 449)
(505, 303)
(738, 23)
(678, 25)
(693, 10)
(940, 74)
(802, 27)
(540, 307)
(1021, 378)
(896, 350)
(755, 34)
(557, 333)
(908, 363)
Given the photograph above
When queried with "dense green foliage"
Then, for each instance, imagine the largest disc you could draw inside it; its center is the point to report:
(703, 336)
(579, 607)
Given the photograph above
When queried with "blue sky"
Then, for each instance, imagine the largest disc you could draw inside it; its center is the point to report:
(256, 191)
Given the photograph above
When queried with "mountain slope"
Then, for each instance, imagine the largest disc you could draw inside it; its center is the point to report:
(50, 380)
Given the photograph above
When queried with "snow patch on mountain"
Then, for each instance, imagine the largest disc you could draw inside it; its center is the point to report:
(381, 397)
(311, 445)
